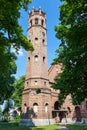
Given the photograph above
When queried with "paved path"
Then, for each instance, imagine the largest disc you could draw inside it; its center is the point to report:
(63, 127)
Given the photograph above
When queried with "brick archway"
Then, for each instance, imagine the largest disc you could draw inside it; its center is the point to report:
(56, 105)
(78, 114)
(56, 109)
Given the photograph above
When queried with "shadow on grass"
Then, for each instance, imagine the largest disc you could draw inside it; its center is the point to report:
(77, 127)
(40, 129)
(15, 126)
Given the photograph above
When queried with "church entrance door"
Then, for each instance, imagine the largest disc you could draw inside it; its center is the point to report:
(78, 113)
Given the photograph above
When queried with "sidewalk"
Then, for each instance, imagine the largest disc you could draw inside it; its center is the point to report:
(63, 127)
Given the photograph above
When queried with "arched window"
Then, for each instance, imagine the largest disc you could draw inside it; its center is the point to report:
(44, 83)
(35, 82)
(25, 107)
(42, 22)
(44, 59)
(36, 58)
(46, 107)
(30, 22)
(43, 41)
(28, 58)
(35, 107)
(56, 105)
(36, 20)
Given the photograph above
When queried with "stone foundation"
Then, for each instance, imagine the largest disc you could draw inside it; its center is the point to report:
(36, 122)
(73, 121)
(69, 120)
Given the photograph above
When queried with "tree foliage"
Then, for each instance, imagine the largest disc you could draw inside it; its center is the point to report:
(6, 82)
(18, 88)
(72, 53)
(11, 32)
(11, 35)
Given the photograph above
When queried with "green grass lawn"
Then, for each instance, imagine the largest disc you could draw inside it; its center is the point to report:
(77, 127)
(15, 126)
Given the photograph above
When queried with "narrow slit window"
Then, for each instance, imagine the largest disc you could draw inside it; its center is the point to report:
(42, 22)
(36, 21)
(43, 41)
(28, 58)
(30, 22)
(44, 59)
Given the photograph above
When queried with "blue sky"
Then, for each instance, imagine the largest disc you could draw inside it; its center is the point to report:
(51, 8)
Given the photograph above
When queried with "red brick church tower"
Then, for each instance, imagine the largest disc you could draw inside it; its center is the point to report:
(37, 99)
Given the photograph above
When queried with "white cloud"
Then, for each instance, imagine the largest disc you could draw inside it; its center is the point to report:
(20, 51)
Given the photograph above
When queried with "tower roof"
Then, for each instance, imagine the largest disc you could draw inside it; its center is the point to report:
(37, 12)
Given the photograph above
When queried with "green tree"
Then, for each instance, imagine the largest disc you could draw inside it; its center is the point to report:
(6, 81)
(11, 35)
(18, 88)
(72, 52)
